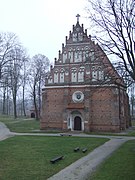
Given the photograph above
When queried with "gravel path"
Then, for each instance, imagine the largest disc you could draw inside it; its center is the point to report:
(82, 168)
(4, 132)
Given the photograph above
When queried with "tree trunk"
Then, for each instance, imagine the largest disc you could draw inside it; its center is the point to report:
(14, 92)
(39, 99)
(24, 111)
(4, 102)
(7, 102)
(35, 102)
(15, 111)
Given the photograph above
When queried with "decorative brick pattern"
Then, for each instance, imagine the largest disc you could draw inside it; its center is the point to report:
(82, 66)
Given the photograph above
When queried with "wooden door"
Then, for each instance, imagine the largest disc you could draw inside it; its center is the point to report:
(77, 123)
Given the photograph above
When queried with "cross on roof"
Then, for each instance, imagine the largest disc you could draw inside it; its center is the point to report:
(78, 15)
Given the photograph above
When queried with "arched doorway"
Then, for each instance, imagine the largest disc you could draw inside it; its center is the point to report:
(77, 123)
(32, 115)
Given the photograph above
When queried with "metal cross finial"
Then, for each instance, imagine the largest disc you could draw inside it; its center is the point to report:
(78, 15)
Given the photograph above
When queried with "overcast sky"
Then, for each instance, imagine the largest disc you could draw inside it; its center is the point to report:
(41, 25)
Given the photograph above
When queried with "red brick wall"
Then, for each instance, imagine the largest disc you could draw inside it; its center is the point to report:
(100, 108)
(52, 112)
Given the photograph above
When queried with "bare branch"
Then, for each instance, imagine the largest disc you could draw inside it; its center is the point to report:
(114, 24)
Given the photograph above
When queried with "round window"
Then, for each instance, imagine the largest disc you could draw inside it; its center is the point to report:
(78, 96)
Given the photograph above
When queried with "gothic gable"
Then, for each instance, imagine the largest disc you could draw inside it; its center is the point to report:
(81, 61)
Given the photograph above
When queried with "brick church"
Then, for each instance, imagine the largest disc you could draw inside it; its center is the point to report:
(83, 91)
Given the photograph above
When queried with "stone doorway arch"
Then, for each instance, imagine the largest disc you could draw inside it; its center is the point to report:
(75, 121)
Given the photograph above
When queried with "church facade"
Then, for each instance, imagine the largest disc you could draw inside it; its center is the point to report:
(83, 92)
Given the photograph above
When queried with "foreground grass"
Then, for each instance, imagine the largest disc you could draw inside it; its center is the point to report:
(28, 158)
(120, 166)
(20, 124)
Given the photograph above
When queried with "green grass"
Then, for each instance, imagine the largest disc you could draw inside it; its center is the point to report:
(28, 157)
(133, 123)
(132, 133)
(20, 124)
(32, 125)
(120, 166)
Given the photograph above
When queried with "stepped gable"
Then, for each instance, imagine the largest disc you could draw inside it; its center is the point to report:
(80, 55)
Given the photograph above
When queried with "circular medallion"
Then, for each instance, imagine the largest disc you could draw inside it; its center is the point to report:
(78, 97)
(78, 29)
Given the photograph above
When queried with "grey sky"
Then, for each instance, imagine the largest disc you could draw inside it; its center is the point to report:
(41, 25)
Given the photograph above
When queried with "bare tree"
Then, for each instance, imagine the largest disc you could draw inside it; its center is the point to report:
(7, 42)
(5, 93)
(114, 25)
(24, 80)
(119, 66)
(16, 62)
(38, 70)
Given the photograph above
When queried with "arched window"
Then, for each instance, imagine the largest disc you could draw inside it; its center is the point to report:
(78, 56)
(62, 76)
(100, 74)
(94, 74)
(50, 80)
(81, 74)
(92, 55)
(64, 57)
(73, 75)
(70, 56)
(56, 76)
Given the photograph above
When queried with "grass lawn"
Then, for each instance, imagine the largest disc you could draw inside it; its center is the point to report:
(20, 124)
(120, 166)
(132, 133)
(28, 157)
